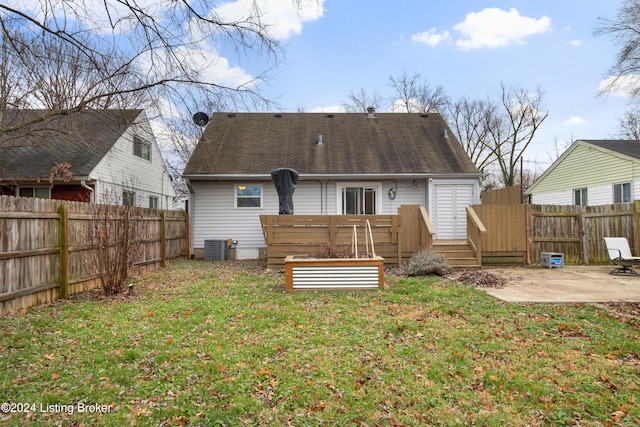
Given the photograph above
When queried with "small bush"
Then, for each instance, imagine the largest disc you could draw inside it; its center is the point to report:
(330, 250)
(426, 262)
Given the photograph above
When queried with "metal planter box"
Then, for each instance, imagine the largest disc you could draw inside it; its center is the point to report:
(304, 273)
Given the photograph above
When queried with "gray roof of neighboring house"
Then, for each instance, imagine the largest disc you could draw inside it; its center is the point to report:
(629, 147)
(352, 143)
(82, 139)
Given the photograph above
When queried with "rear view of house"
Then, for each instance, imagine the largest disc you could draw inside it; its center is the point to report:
(347, 163)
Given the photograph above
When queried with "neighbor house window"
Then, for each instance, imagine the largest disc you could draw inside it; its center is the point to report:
(580, 197)
(153, 202)
(622, 192)
(37, 192)
(358, 199)
(128, 198)
(141, 148)
(248, 196)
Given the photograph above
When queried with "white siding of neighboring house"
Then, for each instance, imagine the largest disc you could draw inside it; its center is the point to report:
(214, 216)
(553, 198)
(585, 166)
(596, 195)
(121, 170)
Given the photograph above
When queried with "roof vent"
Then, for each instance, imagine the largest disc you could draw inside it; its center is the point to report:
(278, 115)
(371, 113)
(330, 115)
(319, 139)
(446, 133)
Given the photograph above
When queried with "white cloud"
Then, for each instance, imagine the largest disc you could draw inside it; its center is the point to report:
(283, 18)
(620, 86)
(493, 28)
(575, 42)
(329, 109)
(204, 65)
(431, 37)
(575, 120)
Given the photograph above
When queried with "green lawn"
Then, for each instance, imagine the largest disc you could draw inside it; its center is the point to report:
(203, 343)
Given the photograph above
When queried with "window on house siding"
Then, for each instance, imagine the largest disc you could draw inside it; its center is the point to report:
(128, 198)
(37, 192)
(580, 197)
(248, 196)
(358, 200)
(622, 192)
(141, 148)
(153, 202)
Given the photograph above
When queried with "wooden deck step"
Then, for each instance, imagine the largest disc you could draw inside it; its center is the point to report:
(459, 253)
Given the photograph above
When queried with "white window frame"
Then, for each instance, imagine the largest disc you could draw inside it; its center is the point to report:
(128, 196)
(153, 199)
(619, 191)
(584, 196)
(375, 185)
(236, 197)
(144, 148)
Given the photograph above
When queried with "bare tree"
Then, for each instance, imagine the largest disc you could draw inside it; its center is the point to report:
(514, 131)
(412, 94)
(359, 101)
(103, 54)
(625, 30)
(630, 124)
(472, 121)
(495, 135)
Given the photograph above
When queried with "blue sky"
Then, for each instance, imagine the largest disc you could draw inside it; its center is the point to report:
(469, 47)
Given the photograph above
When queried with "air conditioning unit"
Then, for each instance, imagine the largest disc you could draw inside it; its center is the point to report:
(216, 250)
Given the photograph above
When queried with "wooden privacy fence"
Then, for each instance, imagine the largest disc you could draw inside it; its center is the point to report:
(519, 233)
(46, 250)
(302, 235)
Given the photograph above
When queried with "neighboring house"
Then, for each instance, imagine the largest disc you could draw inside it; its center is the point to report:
(348, 163)
(103, 156)
(591, 172)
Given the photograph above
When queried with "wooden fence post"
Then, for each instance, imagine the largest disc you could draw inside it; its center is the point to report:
(529, 226)
(163, 240)
(63, 241)
(187, 233)
(636, 223)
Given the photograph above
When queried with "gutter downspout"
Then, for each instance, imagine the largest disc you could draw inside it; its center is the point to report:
(83, 184)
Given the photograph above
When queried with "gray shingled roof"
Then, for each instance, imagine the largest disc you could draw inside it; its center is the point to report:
(391, 143)
(629, 147)
(81, 138)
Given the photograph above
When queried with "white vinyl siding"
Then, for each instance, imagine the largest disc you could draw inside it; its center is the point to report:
(597, 195)
(215, 217)
(121, 170)
(556, 197)
(586, 166)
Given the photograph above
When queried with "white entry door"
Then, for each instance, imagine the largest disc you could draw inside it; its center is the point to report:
(449, 210)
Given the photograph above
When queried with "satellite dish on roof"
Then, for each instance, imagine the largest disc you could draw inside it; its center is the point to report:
(201, 119)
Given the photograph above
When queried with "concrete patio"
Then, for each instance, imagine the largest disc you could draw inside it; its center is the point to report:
(569, 284)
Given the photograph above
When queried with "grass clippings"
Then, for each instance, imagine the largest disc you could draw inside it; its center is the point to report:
(222, 344)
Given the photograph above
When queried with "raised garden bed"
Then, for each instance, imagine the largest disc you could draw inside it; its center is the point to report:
(306, 273)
